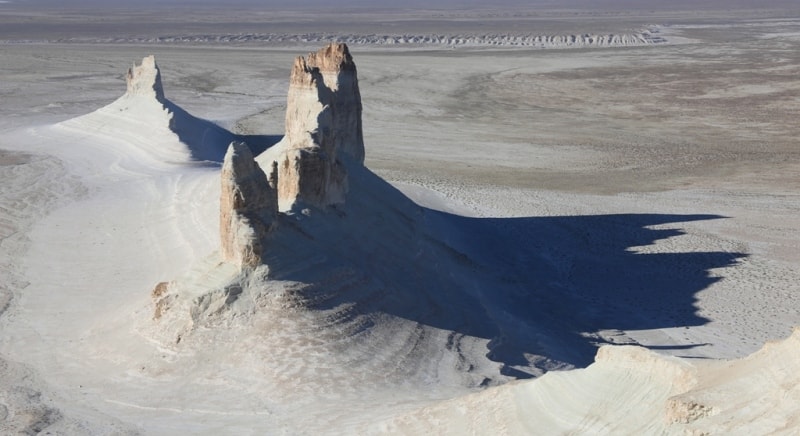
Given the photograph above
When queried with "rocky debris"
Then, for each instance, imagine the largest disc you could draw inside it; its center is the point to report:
(248, 206)
(685, 412)
(323, 128)
(161, 298)
(145, 79)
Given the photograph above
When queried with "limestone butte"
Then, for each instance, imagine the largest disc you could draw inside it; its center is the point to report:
(248, 207)
(323, 128)
(323, 137)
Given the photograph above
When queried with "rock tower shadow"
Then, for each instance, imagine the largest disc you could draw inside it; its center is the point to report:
(532, 286)
(569, 277)
(208, 141)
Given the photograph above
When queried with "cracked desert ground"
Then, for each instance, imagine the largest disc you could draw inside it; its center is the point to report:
(643, 198)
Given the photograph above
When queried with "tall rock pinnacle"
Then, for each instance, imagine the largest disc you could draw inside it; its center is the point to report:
(145, 79)
(248, 206)
(323, 128)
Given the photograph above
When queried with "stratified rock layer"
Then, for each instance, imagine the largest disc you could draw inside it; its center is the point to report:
(323, 128)
(248, 207)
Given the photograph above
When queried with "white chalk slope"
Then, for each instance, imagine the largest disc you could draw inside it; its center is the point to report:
(151, 125)
(630, 390)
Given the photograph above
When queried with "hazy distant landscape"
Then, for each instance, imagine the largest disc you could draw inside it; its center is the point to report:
(572, 217)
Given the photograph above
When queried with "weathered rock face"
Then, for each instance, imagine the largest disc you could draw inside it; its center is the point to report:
(311, 176)
(323, 128)
(145, 79)
(248, 206)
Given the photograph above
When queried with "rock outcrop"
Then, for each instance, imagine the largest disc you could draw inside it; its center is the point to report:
(248, 206)
(323, 128)
(323, 137)
(145, 79)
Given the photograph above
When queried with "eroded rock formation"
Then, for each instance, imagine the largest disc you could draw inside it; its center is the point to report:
(323, 138)
(248, 206)
(145, 79)
(323, 128)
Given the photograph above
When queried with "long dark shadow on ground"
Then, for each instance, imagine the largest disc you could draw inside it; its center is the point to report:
(578, 275)
(533, 286)
(207, 141)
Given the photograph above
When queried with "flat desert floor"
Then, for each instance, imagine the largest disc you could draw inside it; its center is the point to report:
(659, 185)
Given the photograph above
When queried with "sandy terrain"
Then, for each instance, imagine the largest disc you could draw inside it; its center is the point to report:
(641, 195)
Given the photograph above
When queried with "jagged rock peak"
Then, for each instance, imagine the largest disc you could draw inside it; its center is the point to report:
(323, 128)
(333, 58)
(248, 207)
(324, 102)
(145, 79)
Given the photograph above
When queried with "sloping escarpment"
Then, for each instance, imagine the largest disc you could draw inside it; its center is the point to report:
(649, 36)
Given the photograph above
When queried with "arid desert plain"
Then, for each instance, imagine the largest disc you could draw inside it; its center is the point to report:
(538, 219)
